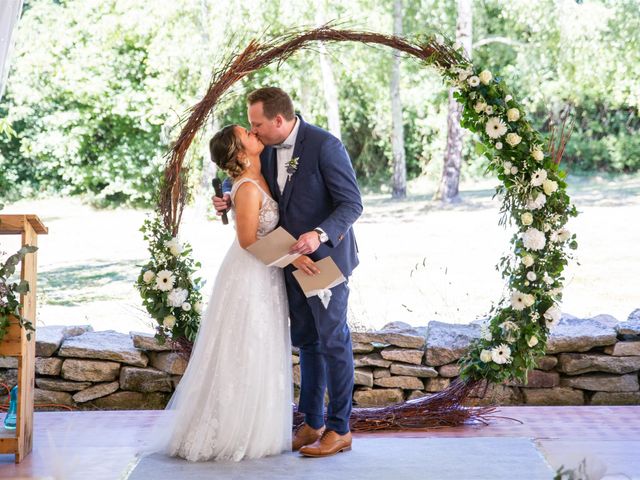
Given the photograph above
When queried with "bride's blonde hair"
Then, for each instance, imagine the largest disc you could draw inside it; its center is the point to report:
(224, 147)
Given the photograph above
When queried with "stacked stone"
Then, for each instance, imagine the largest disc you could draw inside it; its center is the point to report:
(589, 362)
(83, 369)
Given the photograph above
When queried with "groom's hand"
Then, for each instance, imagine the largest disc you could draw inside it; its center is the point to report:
(307, 243)
(221, 204)
(305, 264)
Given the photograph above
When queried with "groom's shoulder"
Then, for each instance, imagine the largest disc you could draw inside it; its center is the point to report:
(320, 135)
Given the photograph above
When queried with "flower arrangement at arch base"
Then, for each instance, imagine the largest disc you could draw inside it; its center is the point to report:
(169, 291)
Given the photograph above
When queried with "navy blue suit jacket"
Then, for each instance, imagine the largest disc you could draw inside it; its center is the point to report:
(323, 192)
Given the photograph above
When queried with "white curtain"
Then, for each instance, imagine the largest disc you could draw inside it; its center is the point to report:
(9, 15)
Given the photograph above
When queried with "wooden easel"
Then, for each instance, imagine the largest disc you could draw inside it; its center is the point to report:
(15, 343)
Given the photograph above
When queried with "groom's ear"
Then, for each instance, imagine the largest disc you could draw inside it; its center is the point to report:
(279, 120)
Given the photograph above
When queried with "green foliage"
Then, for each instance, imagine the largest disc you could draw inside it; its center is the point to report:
(98, 87)
(10, 292)
(169, 292)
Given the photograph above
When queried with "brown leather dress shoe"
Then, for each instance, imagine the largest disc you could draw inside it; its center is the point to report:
(305, 435)
(328, 444)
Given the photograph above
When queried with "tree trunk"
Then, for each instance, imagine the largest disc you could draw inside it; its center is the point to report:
(399, 184)
(448, 189)
(328, 80)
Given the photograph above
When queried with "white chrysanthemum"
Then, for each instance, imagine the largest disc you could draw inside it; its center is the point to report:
(473, 81)
(513, 139)
(177, 297)
(495, 127)
(485, 356)
(479, 107)
(174, 246)
(148, 276)
(538, 202)
(533, 341)
(537, 154)
(531, 276)
(533, 239)
(513, 114)
(538, 177)
(526, 218)
(165, 280)
(527, 260)
(169, 321)
(186, 306)
(552, 316)
(198, 307)
(546, 278)
(488, 110)
(501, 354)
(508, 98)
(499, 145)
(549, 186)
(485, 77)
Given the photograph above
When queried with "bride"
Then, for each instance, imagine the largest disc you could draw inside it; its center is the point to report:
(235, 398)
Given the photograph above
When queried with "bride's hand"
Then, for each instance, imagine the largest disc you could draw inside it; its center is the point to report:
(305, 264)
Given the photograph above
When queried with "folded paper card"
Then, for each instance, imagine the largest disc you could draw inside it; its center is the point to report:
(329, 276)
(273, 249)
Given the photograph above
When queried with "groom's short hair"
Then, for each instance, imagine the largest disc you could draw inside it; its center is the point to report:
(274, 101)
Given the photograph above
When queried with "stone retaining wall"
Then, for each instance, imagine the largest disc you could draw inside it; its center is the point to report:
(592, 361)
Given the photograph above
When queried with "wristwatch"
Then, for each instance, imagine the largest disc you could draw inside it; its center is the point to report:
(324, 238)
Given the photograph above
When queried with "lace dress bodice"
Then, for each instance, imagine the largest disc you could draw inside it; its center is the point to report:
(268, 216)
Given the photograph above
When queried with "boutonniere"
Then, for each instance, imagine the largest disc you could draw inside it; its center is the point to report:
(292, 166)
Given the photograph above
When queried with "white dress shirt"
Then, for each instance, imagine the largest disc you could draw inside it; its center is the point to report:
(285, 155)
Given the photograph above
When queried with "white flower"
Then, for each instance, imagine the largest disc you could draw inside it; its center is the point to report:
(527, 260)
(547, 279)
(501, 354)
(496, 128)
(499, 145)
(507, 165)
(529, 300)
(488, 110)
(463, 73)
(508, 98)
(186, 306)
(174, 246)
(169, 321)
(533, 341)
(517, 300)
(485, 356)
(552, 316)
(514, 170)
(513, 139)
(554, 236)
(165, 280)
(177, 297)
(564, 234)
(510, 331)
(537, 203)
(538, 177)
(537, 154)
(148, 276)
(198, 307)
(527, 283)
(473, 81)
(546, 227)
(531, 276)
(549, 186)
(526, 218)
(533, 239)
(513, 114)
(479, 107)
(485, 77)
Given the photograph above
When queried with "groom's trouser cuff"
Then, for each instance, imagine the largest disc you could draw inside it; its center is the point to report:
(314, 421)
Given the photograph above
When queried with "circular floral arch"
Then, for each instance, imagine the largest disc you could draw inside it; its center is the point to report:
(535, 202)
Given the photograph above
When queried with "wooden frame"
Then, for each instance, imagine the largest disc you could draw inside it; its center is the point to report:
(15, 343)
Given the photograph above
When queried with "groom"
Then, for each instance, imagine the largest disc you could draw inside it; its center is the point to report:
(310, 175)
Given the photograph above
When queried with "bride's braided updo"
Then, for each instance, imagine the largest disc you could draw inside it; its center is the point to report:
(224, 148)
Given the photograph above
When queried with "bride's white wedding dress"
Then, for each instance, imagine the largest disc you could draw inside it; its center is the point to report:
(234, 400)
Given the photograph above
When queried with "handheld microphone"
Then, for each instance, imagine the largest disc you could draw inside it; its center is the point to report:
(217, 187)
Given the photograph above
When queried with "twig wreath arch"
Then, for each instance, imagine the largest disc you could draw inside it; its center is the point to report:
(534, 201)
